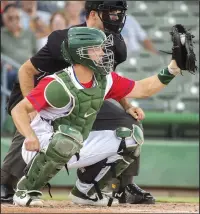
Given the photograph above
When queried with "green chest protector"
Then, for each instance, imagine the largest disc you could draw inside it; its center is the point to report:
(85, 102)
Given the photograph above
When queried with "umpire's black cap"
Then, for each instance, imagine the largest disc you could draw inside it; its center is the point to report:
(94, 5)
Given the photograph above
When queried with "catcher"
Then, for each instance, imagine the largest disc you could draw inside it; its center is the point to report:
(56, 135)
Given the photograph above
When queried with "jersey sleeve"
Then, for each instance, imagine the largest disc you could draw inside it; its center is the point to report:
(36, 96)
(121, 86)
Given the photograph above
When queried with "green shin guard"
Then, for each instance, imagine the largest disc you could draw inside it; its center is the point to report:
(46, 164)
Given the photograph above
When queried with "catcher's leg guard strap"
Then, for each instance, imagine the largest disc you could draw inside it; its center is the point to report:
(46, 164)
(89, 173)
(102, 177)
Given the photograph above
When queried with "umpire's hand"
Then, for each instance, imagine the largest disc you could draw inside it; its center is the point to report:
(136, 112)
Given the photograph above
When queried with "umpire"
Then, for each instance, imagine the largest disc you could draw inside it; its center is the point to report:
(47, 61)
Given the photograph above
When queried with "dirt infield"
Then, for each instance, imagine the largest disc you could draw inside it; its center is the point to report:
(68, 207)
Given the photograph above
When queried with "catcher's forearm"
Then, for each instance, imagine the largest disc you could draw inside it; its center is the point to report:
(21, 120)
(164, 77)
(22, 123)
(125, 103)
(149, 86)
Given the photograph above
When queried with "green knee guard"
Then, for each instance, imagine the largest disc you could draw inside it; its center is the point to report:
(132, 151)
(46, 164)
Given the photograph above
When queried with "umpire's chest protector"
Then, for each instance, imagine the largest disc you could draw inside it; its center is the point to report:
(85, 102)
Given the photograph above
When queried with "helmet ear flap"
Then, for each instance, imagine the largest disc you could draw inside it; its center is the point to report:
(65, 53)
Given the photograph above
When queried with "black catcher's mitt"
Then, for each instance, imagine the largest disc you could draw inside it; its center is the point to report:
(182, 50)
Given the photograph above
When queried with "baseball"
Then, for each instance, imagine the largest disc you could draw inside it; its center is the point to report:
(182, 36)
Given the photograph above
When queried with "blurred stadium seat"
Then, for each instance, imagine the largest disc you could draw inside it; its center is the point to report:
(193, 7)
(194, 10)
(159, 8)
(138, 8)
(188, 22)
(130, 65)
(191, 104)
(151, 63)
(170, 92)
(147, 22)
(164, 46)
(158, 36)
(192, 90)
(180, 9)
(133, 75)
(151, 104)
(165, 23)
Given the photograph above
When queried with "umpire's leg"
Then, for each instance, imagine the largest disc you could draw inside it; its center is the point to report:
(132, 170)
(13, 164)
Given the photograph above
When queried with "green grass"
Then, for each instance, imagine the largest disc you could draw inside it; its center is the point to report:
(57, 197)
(60, 197)
(178, 199)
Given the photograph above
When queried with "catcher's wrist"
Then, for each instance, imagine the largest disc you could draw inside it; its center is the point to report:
(128, 110)
(165, 76)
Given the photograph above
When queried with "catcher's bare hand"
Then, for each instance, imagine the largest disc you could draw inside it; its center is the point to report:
(32, 144)
(136, 112)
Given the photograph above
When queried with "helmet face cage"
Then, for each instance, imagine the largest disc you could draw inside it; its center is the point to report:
(105, 62)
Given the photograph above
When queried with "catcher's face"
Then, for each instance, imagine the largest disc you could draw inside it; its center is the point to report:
(100, 55)
(96, 53)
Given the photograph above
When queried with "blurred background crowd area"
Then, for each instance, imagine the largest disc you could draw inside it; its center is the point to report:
(25, 29)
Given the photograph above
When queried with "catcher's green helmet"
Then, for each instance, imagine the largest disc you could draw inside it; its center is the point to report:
(83, 42)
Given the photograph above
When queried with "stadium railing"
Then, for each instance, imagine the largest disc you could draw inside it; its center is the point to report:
(4, 90)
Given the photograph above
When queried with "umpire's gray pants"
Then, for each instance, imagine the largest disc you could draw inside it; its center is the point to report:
(13, 164)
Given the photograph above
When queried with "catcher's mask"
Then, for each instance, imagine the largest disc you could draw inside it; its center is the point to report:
(111, 13)
(89, 47)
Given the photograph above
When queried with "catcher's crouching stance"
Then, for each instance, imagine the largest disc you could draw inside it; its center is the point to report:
(68, 102)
